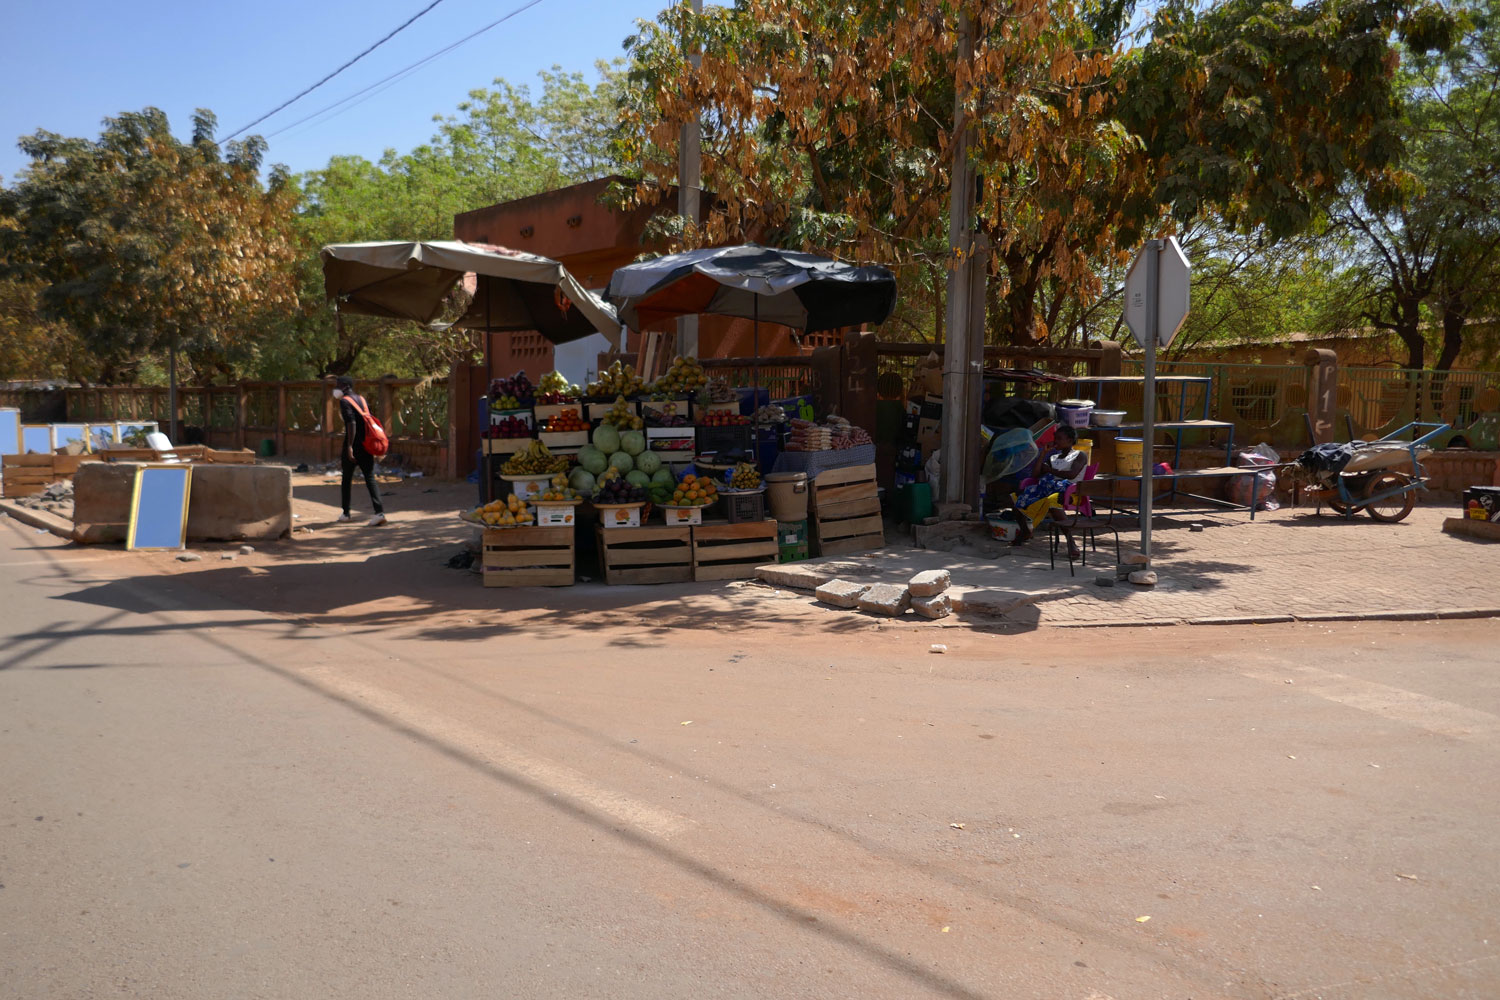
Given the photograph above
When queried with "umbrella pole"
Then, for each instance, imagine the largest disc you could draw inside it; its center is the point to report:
(485, 461)
(755, 367)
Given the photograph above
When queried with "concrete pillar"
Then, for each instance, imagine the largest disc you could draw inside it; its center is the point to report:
(829, 394)
(1322, 393)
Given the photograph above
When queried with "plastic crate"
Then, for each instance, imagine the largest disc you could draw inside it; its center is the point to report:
(742, 507)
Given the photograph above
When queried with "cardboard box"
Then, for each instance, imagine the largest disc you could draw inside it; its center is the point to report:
(678, 516)
(1482, 503)
(620, 517)
(556, 515)
(929, 436)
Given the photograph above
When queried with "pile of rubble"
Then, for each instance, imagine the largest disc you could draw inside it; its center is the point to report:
(924, 593)
(56, 498)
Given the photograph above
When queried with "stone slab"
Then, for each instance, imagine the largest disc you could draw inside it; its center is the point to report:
(885, 599)
(940, 606)
(797, 576)
(929, 583)
(841, 593)
(225, 502)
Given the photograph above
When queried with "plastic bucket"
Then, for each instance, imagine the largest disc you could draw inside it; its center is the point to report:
(786, 492)
(1128, 456)
(1074, 412)
(1086, 445)
(1003, 529)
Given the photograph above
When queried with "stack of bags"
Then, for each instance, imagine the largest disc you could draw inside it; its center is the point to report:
(845, 435)
(808, 436)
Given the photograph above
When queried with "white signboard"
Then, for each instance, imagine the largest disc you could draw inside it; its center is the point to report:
(1172, 306)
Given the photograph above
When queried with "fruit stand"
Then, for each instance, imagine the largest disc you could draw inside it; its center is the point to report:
(660, 481)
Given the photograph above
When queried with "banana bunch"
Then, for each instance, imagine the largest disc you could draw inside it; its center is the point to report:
(745, 476)
(622, 416)
(536, 460)
(617, 380)
(684, 375)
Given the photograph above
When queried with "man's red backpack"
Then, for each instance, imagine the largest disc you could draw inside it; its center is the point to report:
(376, 442)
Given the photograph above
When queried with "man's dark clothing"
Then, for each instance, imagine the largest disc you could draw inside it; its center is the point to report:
(354, 441)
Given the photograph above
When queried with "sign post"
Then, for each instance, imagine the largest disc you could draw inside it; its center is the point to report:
(1156, 303)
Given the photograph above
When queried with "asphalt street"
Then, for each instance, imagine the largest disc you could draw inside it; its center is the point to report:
(204, 799)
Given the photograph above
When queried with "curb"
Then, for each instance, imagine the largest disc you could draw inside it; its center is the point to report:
(38, 519)
(1351, 616)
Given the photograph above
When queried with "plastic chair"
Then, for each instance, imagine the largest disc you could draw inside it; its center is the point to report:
(1072, 499)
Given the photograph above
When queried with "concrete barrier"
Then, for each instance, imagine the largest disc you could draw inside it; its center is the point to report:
(227, 503)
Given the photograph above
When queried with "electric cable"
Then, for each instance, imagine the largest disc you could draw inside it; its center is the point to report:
(364, 93)
(285, 104)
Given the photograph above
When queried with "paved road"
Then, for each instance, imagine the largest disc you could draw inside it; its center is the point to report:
(205, 799)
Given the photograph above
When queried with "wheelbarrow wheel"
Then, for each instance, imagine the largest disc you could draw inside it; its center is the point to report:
(1392, 508)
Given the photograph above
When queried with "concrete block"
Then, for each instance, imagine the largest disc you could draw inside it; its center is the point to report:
(940, 606)
(952, 511)
(885, 599)
(841, 593)
(225, 502)
(929, 583)
(797, 576)
(240, 503)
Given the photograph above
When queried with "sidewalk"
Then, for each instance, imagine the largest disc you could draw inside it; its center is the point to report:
(1282, 566)
(1285, 565)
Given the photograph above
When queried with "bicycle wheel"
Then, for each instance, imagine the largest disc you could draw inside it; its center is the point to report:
(1392, 508)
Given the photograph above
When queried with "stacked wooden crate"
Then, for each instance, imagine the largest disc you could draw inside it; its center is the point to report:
(844, 511)
(28, 475)
(732, 551)
(650, 554)
(528, 557)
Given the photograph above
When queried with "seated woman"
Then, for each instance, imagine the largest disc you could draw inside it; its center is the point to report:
(1056, 470)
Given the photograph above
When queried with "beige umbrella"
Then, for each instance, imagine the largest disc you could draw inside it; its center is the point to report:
(512, 290)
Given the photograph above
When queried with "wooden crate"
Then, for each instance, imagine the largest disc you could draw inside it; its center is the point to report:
(528, 557)
(504, 446)
(732, 551)
(28, 475)
(844, 511)
(231, 456)
(648, 554)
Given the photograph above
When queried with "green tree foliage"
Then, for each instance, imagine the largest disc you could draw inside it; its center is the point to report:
(1435, 251)
(830, 125)
(137, 241)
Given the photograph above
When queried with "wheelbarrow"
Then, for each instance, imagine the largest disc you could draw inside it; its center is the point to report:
(1379, 477)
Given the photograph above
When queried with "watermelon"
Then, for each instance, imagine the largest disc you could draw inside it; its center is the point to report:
(648, 462)
(663, 477)
(632, 443)
(607, 439)
(635, 477)
(582, 480)
(622, 461)
(592, 459)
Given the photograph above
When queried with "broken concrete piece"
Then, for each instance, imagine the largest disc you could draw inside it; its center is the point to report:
(841, 593)
(929, 583)
(940, 606)
(885, 599)
(1135, 559)
(245, 550)
(1195, 527)
(1144, 577)
(952, 511)
(189, 557)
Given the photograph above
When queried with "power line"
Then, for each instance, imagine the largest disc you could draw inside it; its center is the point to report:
(406, 24)
(364, 93)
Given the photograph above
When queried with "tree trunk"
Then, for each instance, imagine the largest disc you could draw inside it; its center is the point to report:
(1454, 317)
(1408, 328)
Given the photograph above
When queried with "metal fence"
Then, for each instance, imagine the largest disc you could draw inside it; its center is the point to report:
(1376, 401)
(1264, 402)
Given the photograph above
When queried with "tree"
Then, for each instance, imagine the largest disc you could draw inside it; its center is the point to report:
(829, 125)
(138, 242)
(1438, 251)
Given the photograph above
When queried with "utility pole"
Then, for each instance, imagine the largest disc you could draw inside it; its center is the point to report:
(689, 183)
(964, 333)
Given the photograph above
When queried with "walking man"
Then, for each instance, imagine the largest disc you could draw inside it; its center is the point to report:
(354, 410)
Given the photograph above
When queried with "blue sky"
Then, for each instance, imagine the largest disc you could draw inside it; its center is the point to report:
(70, 63)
